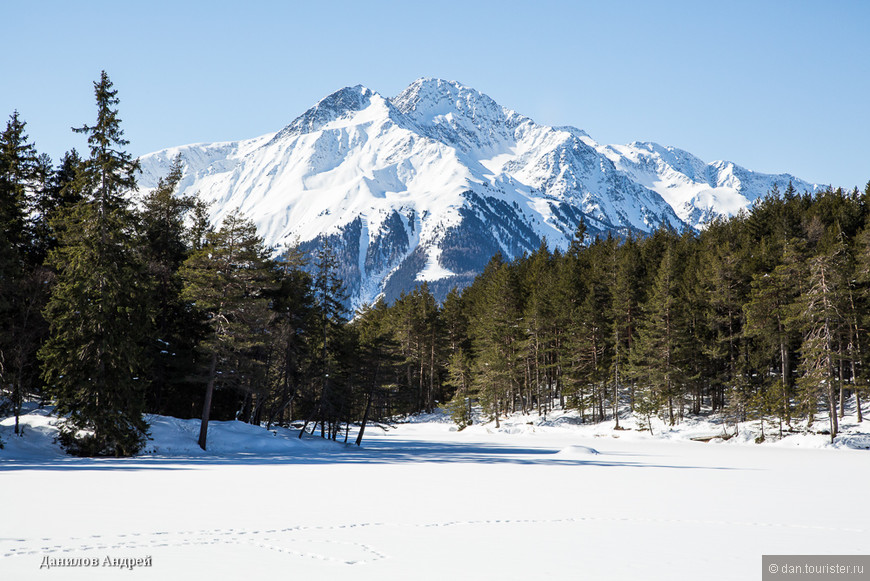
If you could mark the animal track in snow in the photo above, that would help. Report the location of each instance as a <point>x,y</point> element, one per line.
<point>312,542</point>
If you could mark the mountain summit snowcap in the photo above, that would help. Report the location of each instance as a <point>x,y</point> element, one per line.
<point>428,185</point>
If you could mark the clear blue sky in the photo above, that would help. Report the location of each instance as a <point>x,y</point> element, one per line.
<point>776,86</point>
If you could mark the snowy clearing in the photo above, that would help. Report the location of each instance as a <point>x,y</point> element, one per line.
<point>535,499</point>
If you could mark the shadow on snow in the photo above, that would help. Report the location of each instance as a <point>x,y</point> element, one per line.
<point>317,452</point>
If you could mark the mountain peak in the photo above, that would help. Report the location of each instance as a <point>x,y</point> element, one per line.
<point>332,107</point>
<point>431,183</point>
<point>427,99</point>
<point>456,114</point>
<point>427,91</point>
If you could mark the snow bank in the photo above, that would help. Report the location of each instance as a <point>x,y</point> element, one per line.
<point>177,438</point>
<point>37,437</point>
<point>714,429</point>
<point>168,437</point>
<point>576,451</point>
<point>174,437</point>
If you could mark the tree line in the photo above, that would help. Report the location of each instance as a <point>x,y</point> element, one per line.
<point>761,317</point>
<point>116,305</point>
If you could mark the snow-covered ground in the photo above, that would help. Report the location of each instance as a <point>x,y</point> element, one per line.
<point>536,499</point>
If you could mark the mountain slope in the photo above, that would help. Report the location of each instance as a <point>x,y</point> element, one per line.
<point>697,191</point>
<point>428,185</point>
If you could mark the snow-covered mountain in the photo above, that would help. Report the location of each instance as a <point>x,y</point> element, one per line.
<point>428,185</point>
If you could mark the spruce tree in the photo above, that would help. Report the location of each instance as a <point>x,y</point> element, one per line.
<point>174,333</point>
<point>20,291</point>
<point>417,324</point>
<point>60,193</point>
<point>93,358</point>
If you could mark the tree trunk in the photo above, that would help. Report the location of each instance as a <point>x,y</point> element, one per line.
<point>832,410</point>
<point>17,401</point>
<point>432,375</point>
<point>276,414</point>
<point>362,428</point>
<point>786,376</point>
<point>421,390</point>
<point>206,405</point>
<point>601,414</point>
<point>842,382</point>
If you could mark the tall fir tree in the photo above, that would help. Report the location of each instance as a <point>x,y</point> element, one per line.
<point>20,291</point>
<point>93,358</point>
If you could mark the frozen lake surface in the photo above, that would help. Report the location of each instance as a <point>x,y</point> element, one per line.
<point>423,501</point>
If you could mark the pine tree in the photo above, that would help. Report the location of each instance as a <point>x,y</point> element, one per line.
<point>860,322</point>
<point>821,313</point>
<point>536,279</point>
<point>417,325</point>
<point>657,360</point>
<point>226,283</point>
<point>458,358</point>
<point>769,319</point>
<point>376,358</point>
<point>721,295</point>
<point>329,397</point>
<point>427,330</point>
<point>497,337</point>
<point>623,276</point>
<point>292,319</point>
<point>592,340</point>
<point>93,358</point>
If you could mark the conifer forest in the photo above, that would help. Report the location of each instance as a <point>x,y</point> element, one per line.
<point>117,304</point>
